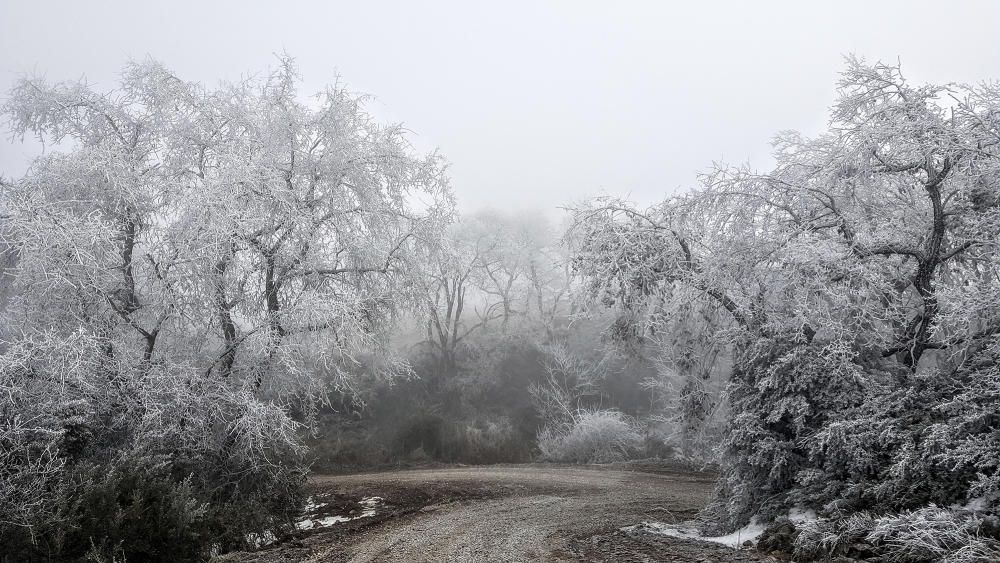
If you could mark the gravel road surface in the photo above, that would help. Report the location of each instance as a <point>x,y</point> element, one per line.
<point>508,513</point>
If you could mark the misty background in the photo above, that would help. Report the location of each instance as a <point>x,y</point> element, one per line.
<point>485,243</point>
<point>535,104</point>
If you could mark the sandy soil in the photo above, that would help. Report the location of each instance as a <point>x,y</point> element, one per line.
<point>500,513</point>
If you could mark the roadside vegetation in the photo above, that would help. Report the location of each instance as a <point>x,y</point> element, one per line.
<point>855,289</point>
<point>208,292</point>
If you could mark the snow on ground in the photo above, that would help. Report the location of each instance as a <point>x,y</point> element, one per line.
<point>258,541</point>
<point>313,506</point>
<point>370,505</point>
<point>798,515</point>
<point>689,531</point>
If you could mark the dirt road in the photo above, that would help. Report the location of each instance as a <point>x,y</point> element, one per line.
<point>521,513</point>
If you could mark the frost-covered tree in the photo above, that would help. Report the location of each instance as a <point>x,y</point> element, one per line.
<point>450,274</point>
<point>692,366</point>
<point>523,270</point>
<point>863,263</point>
<point>199,261</point>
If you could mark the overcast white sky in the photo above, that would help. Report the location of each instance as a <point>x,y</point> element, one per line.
<point>535,104</point>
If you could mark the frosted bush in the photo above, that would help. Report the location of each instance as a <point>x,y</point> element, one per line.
<point>923,535</point>
<point>593,436</point>
<point>121,463</point>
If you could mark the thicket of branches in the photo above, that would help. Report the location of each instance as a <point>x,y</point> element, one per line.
<point>507,369</point>
<point>493,320</point>
<point>191,271</point>
<point>855,287</point>
<point>183,285</point>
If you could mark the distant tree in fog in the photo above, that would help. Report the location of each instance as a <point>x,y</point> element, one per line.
<point>494,270</point>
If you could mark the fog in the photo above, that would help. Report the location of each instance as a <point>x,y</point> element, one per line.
<point>535,104</point>
<point>539,281</point>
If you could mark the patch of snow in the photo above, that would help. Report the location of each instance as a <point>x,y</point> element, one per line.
<point>258,541</point>
<point>750,532</point>
<point>371,502</point>
<point>325,522</point>
<point>370,505</point>
<point>313,506</point>
<point>797,515</point>
<point>306,524</point>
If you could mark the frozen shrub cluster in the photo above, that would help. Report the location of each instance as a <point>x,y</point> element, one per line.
<point>929,534</point>
<point>591,436</point>
<point>99,461</point>
<point>782,392</point>
<point>934,439</point>
<point>818,429</point>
